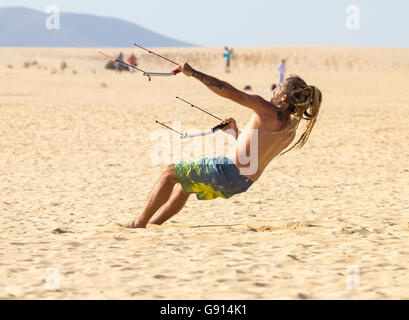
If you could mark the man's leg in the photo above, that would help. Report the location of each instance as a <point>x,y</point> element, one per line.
<point>160,194</point>
<point>172,206</point>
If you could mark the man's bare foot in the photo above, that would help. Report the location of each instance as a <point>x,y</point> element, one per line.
<point>135,224</point>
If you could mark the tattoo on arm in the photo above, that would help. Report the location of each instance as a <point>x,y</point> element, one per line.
<point>208,80</point>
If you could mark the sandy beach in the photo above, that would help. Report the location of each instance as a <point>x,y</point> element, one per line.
<point>328,222</point>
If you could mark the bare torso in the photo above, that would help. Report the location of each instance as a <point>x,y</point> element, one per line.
<point>269,129</point>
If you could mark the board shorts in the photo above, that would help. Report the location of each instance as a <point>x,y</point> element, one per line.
<point>210,178</point>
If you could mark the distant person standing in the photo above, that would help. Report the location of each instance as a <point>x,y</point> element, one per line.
<point>227,56</point>
<point>132,62</point>
<point>281,71</point>
<point>118,65</point>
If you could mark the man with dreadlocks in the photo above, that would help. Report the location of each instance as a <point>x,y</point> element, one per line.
<point>272,125</point>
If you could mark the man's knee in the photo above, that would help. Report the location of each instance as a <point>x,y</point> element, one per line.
<point>180,192</point>
<point>169,173</point>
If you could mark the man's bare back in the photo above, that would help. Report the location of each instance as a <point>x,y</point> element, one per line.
<point>269,127</point>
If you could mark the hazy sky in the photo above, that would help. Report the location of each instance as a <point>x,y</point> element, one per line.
<point>253,22</point>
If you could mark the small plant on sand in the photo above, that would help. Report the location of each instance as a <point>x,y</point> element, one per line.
<point>103,85</point>
<point>28,64</point>
<point>63,66</point>
<point>10,66</point>
<point>74,71</point>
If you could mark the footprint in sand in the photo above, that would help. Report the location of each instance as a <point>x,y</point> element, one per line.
<point>61,231</point>
<point>112,227</point>
<point>287,226</point>
<point>120,238</point>
<point>351,230</point>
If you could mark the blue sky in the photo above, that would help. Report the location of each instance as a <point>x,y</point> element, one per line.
<point>253,22</point>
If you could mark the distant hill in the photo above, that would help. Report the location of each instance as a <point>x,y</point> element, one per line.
<point>22,27</point>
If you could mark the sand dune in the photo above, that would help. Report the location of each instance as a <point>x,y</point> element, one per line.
<point>75,165</point>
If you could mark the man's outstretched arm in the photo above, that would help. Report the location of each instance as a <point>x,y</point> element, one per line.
<point>226,90</point>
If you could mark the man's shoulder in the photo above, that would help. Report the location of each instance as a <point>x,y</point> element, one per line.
<point>268,106</point>
<point>276,119</point>
<point>269,112</point>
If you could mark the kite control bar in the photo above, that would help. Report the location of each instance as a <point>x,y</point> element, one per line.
<point>145,73</point>
<point>198,134</point>
<point>174,72</point>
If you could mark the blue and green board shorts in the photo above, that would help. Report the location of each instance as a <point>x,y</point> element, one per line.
<point>210,178</point>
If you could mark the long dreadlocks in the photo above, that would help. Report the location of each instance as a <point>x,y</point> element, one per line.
<point>303,102</point>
